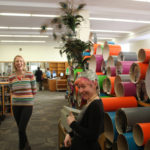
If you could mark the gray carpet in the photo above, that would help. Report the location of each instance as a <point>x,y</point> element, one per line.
<point>42,129</point>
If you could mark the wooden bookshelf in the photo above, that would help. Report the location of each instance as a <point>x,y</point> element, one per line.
<point>58,67</point>
<point>5,98</point>
<point>4,79</point>
<point>1,104</point>
<point>61,84</point>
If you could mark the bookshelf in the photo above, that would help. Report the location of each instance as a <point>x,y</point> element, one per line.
<point>61,84</point>
<point>58,67</point>
<point>5,99</point>
<point>53,67</point>
<point>1,105</point>
<point>61,68</point>
<point>3,78</point>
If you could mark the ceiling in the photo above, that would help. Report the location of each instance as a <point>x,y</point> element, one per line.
<point>105,10</point>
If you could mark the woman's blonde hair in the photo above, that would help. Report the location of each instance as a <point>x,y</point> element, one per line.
<point>14,68</point>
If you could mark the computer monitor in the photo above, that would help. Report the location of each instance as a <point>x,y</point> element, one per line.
<point>54,74</point>
<point>61,74</point>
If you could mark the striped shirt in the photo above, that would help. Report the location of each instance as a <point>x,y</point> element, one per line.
<point>23,90</point>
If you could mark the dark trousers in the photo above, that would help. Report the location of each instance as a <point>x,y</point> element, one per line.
<point>40,84</point>
<point>22,115</point>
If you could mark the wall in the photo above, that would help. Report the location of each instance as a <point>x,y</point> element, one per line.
<point>137,45</point>
<point>140,39</point>
<point>38,52</point>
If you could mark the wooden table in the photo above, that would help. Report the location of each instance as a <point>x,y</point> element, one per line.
<point>52,84</point>
<point>45,84</point>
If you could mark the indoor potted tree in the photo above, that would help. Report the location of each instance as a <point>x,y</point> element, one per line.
<point>64,28</point>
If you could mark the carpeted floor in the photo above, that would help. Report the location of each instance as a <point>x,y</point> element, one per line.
<point>42,129</point>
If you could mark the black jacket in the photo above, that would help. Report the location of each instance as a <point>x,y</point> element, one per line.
<point>38,75</point>
<point>86,132</point>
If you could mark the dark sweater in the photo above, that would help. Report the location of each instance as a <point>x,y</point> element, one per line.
<point>85,133</point>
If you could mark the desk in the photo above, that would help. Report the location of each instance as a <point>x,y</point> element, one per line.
<point>52,84</point>
<point>45,84</point>
<point>61,84</point>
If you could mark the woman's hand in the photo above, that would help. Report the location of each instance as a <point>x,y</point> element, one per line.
<point>70,118</point>
<point>67,141</point>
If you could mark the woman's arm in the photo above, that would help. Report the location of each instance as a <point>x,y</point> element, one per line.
<point>10,83</point>
<point>33,84</point>
<point>67,141</point>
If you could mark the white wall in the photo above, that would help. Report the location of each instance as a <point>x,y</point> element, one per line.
<point>137,45</point>
<point>140,39</point>
<point>49,52</point>
<point>38,52</point>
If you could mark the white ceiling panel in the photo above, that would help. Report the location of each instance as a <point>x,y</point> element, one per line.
<point>112,9</point>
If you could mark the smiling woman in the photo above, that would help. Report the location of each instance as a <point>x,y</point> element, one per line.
<point>90,122</point>
<point>23,87</point>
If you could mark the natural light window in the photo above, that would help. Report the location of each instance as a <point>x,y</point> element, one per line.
<point>142,1</point>
<point>125,47</point>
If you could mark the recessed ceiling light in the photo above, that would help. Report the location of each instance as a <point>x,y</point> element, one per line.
<point>91,18</point>
<point>24,28</point>
<point>3,27</point>
<point>43,15</point>
<point>15,14</point>
<point>111,31</point>
<point>11,41</point>
<point>120,20</point>
<point>40,36</point>
<point>104,38</point>
<point>27,15</point>
<point>148,1</point>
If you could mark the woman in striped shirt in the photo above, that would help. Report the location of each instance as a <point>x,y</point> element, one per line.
<point>23,87</point>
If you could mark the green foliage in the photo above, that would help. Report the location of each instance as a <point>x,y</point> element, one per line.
<point>64,5</point>
<point>70,17</point>
<point>54,36</point>
<point>43,28</point>
<point>74,49</point>
<point>81,6</point>
<point>64,27</point>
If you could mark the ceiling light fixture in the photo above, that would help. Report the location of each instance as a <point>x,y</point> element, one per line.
<point>15,14</point>
<point>120,20</point>
<point>148,1</point>
<point>104,38</point>
<point>24,28</point>
<point>43,15</point>
<point>38,36</point>
<point>10,41</point>
<point>111,31</point>
<point>27,15</point>
<point>91,18</point>
<point>3,27</point>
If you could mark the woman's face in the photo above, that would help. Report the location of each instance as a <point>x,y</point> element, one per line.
<point>19,64</point>
<point>87,89</point>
